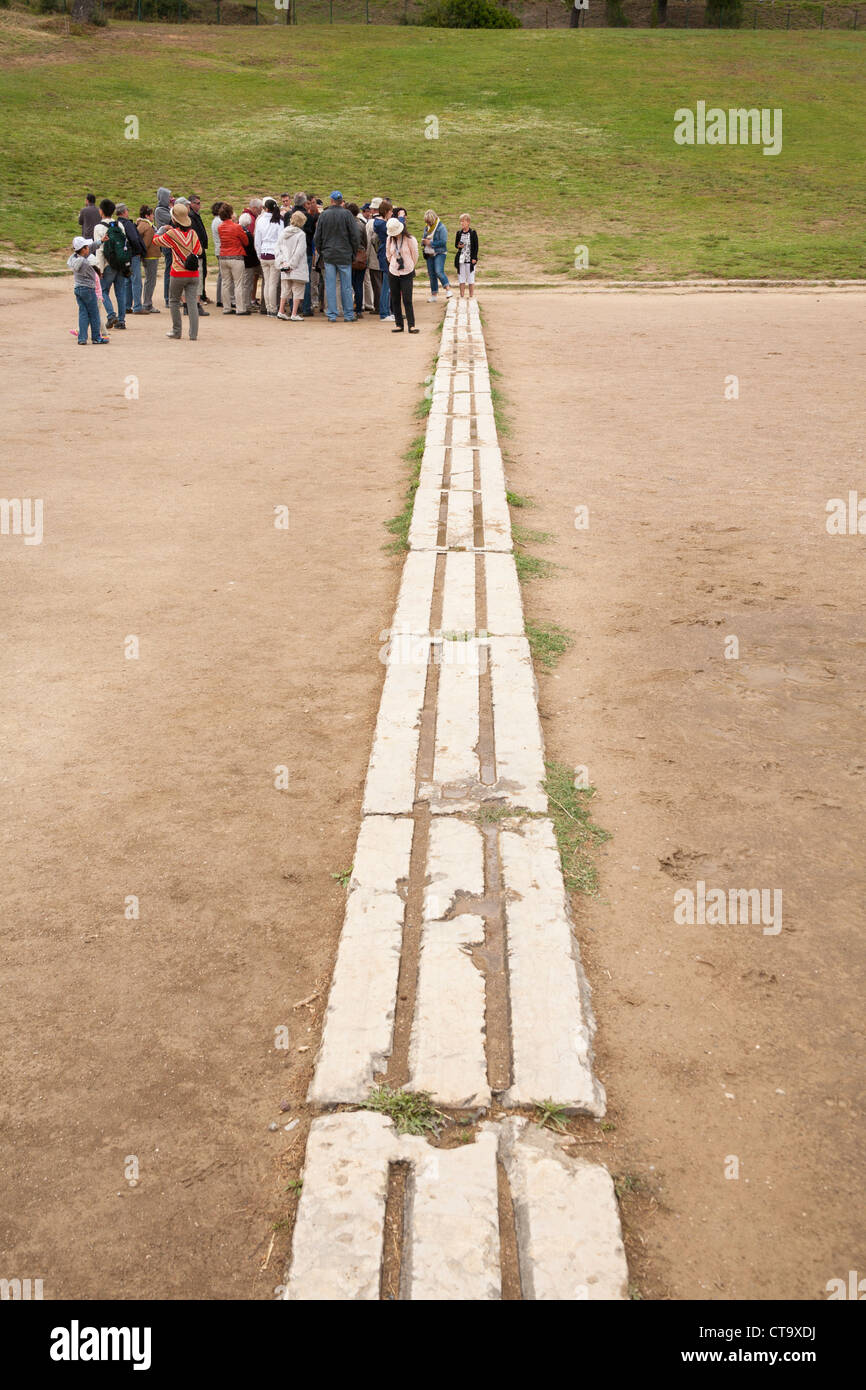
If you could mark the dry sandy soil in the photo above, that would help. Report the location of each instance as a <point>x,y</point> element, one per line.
<point>707,519</point>
<point>155,777</point>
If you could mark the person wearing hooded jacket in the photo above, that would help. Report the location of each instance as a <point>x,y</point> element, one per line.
<point>291,260</point>
<point>162,218</point>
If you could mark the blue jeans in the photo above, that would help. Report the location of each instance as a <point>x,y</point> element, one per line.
<point>308,291</point>
<point>385,296</point>
<point>114,277</point>
<point>436,271</point>
<point>88,313</point>
<point>345,272</point>
<point>135,285</point>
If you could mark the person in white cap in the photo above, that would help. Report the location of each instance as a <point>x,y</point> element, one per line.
<point>82,263</point>
<point>401,251</point>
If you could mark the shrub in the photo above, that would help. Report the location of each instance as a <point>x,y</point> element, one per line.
<point>468,14</point>
<point>724,14</point>
<point>615,14</point>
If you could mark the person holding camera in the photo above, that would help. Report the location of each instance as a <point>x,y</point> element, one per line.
<point>401,251</point>
<point>181,240</point>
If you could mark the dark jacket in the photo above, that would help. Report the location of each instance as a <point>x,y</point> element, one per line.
<point>473,246</point>
<point>136,245</point>
<point>195,219</point>
<point>338,236</point>
<point>310,229</point>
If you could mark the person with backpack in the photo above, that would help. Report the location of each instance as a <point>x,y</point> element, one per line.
<point>152,256</point>
<point>113,258</point>
<point>402,253</point>
<point>180,239</point>
<point>136,254</point>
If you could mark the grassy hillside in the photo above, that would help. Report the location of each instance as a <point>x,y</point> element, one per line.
<point>551,139</point>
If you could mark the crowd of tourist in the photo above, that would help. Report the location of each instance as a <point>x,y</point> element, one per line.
<point>289,258</point>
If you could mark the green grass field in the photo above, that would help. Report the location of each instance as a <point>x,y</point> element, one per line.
<point>552,139</point>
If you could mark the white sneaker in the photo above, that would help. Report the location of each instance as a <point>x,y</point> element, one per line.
<point>432,299</point>
<point>283,316</point>
<point>296,318</point>
<point>449,294</point>
<point>389,318</point>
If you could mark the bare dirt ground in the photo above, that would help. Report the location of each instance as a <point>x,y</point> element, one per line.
<point>155,1038</point>
<point>706,520</point>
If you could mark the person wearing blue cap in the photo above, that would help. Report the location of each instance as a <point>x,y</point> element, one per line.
<point>337,238</point>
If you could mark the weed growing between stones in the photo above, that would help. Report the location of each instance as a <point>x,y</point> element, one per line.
<point>412,1112</point>
<point>576,833</point>
<point>547,642</point>
<point>399,524</point>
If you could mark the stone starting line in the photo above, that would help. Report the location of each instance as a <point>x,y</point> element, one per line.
<point>457,972</point>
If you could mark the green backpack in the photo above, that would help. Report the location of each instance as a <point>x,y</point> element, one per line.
<point>116,247</point>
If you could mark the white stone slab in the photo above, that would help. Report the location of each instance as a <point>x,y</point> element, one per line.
<point>455,864</point>
<point>456,759</point>
<point>390,785</point>
<point>432,467</point>
<point>491,471</point>
<point>446,1050</point>
<point>359,1019</point>
<point>436,425</point>
<point>460,433</point>
<point>461,381</point>
<point>461,403</point>
<point>485,428</point>
<point>452,1250</point>
<point>504,604</point>
<point>569,1238</point>
<point>416,593</point>
<point>496,519</point>
<point>551,1023</point>
<point>462,470</point>
<point>337,1243</point>
<point>458,598</point>
<point>460,523</point>
<point>519,747</point>
<point>424,526</point>
<point>451,1230</point>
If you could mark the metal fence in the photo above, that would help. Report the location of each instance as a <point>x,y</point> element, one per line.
<point>533,14</point>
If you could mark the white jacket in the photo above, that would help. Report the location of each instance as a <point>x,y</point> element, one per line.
<point>267,235</point>
<point>291,254</point>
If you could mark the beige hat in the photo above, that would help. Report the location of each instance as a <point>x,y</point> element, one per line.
<point>394,227</point>
<point>376,203</point>
<point>180,213</point>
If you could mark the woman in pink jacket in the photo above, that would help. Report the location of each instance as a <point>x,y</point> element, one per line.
<point>401,253</point>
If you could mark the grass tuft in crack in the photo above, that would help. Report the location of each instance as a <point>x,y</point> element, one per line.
<point>515,499</point>
<point>551,1115</point>
<point>547,642</point>
<point>399,525</point>
<point>412,1112</point>
<point>576,833</point>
